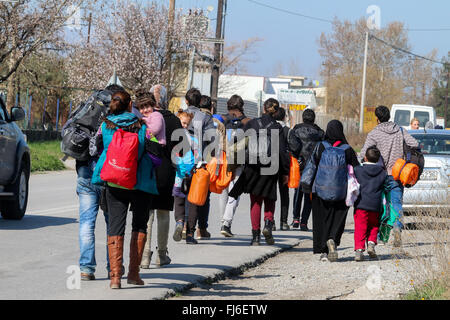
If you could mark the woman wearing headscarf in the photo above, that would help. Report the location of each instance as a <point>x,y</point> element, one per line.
<point>329,216</point>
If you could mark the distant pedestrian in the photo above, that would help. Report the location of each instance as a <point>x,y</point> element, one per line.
<point>262,186</point>
<point>329,190</point>
<point>368,205</point>
<point>389,138</point>
<point>283,188</point>
<point>235,120</point>
<point>302,141</point>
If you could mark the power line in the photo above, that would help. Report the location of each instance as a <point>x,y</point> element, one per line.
<point>330,21</point>
<point>404,50</point>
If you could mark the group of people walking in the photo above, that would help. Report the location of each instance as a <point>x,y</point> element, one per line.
<point>157,181</point>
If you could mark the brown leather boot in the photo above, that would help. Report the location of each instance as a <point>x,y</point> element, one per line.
<point>137,244</point>
<point>115,251</point>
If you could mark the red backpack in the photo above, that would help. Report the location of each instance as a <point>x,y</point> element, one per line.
<point>121,164</point>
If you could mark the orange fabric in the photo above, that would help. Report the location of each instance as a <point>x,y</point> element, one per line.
<point>407,174</point>
<point>220,178</point>
<point>294,173</point>
<point>198,191</point>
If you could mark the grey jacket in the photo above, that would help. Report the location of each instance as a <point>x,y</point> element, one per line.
<point>388,138</point>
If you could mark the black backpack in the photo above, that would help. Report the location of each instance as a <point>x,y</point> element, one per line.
<point>413,155</point>
<point>82,125</point>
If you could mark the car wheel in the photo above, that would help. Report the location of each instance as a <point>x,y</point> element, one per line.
<point>15,209</point>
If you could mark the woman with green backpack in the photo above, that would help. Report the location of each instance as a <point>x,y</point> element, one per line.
<point>126,169</point>
<point>325,175</point>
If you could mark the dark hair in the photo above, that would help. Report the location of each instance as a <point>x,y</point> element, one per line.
<point>115,88</point>
<point>193,97</point>
<point>235,103</point>
<point>144,98</point>
<point>382,113</point>
<point>373,154</point>
<point>271,106</point>
<point>309,116</point>
<point>205,102</point>
<point>119,102</point>
<point>280,114</point>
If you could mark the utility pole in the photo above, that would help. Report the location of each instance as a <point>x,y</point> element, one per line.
<point>363,93</point>
<point>446,95</point>
<point>215,72</point>
<point>89,27</point>
<point>169,43</point>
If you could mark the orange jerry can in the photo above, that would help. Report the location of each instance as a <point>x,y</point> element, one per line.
<point>405,172</point>
<point>294,173</point>
<point>198,191</point>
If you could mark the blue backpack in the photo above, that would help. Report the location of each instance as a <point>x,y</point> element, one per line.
<point>330,183</point>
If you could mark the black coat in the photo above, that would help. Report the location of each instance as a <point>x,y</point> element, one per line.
<point>302,140</point>
<point>165,173</point>
<point>251,180</point>
<point>371,179</point>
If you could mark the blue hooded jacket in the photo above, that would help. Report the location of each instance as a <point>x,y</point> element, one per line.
<point>146,179</point>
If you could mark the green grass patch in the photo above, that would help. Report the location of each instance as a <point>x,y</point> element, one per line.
<point>431,290</point>
<point>45,156</point>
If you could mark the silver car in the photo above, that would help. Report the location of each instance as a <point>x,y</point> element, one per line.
<point>432,190</point>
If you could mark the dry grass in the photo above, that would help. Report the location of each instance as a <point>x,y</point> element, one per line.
<point>356,141</point>
<point>426,241</point>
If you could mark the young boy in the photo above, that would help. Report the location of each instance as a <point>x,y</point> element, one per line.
<point>368,205</point>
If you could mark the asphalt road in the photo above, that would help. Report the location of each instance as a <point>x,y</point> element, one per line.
<point>39,254</point>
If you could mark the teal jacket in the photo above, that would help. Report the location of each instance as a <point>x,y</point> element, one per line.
<point>146,179</point>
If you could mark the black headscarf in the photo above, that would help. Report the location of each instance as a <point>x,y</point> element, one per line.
<point>335,132</point>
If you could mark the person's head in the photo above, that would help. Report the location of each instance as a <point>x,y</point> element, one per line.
<point>145,103</point>
<point>235,104</point>
<point>120,102</point>
<point>271,106</point>
<point>335,132</point>
<point>185,118</point>
<point>280,115</point>
<point>205,103</point>
<point>383,114</point>
<point>115,88</point>
<point>193,97</point>
<point>160,93</point>
<point>372,155</point>
<point>415,123</point>
<point>309,116</point>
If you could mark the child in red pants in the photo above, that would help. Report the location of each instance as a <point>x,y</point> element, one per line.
<point>368,206</point>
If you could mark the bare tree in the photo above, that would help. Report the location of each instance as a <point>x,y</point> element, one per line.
<point>27,26</point>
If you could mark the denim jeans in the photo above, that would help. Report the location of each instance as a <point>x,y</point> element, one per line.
<point>396,189</point>
<point>89,199</point>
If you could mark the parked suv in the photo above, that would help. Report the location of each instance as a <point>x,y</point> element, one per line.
<point>14,164</point>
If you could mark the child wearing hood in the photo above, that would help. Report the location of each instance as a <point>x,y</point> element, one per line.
<point>368,206</point>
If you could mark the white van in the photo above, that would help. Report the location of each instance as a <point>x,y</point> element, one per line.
<point>402,114</point>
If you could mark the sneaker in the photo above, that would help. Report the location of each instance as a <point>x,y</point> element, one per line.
<point>295,224</point>
<point>226,231</point>
<point>332,251</point>
<point>183,233</point>
<point>359,255</point>
<point>371,250</point>
<point>203,234</point>
<point>284,226</point>
<point>87,276</point>
<point>324,257</point>
<point>190,239</point>
<point>256,237</point>
<point>303,227</point>
<point>177,235</point>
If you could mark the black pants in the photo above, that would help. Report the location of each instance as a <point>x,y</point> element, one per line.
<point>328,222</point>
<point>284,200</point>
<point>118,201</point>
<point>194,213</point>
<point>299,196</point>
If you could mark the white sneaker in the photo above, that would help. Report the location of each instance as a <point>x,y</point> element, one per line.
<point>324,257</point>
